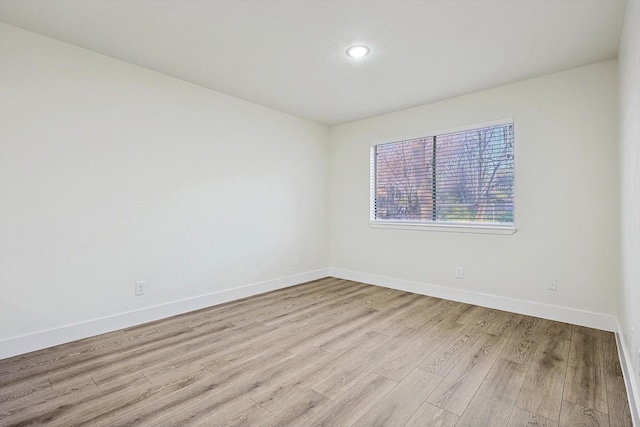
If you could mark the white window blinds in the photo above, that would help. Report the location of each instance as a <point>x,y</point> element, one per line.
<point>459,177</point>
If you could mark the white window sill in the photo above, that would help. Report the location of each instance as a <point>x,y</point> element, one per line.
<point>450,227</point>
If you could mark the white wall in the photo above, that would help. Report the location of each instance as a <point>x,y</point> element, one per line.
<point>629,57</point>
<point>566,198</point>
<point>112,173</point>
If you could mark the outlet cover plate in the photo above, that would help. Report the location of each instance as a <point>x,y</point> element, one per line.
<point>141,287</point>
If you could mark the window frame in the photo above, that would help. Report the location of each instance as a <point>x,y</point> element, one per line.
<point>443,226</point>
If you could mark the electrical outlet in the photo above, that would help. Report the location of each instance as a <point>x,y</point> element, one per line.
<point>459,273</point>
<point>141,288</point>
<point>553,284</point>
<point>295,261</point>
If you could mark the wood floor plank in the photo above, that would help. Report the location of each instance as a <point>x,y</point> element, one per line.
<point>179,355</point>
<point>227,371</point>
<point>12,409</point>
<point>194,355</point>
<point>617,398</point>
<point>426,315</point>
<point>336,338</point>
<point>328,322</point>
<point>78,405</point>
<point>352,405</point>
<point>70,355</point>
<point>305,404</point>
<point>336,306</point>
<point>444,357</point>
<point>400,316</point>
<point>144,412</point>
<point>503,324</point>
<point>493,403</point>
<point>558,330</point>
<point>573,415</point>
<point>473,313</point>
<point>246,418</point>
<point>522,418</point>
<point>610,356</point>
<point>409,316</point>
<point>268,377</point>
<point>399,404</point>
<point>149,347</point>
<point>279,393</point>
<point>328,352</point>
<point>295,312</point>
<point>132,401</point>
<point>458,388</point>
<point>524,340</point>
<point>585,383</point>
<point>543,386</point>
<point>245,309</point>
<point>216,398</point>
<point>430,416</point>
<point>350,368</point>
<point>234,410</point>
<point>583,330</point>
<point>618,403</point>
<point>24,389</point>
<point>201,410</point>
<point>398,367</point>
<point>19,367</point>
<point>358,364</point>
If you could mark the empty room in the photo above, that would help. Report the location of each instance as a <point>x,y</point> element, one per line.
<point>361,213</point>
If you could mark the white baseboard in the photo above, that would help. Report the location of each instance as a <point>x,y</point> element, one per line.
<point>630,380</point>
<point>552,312</point>
<point>48,338</point>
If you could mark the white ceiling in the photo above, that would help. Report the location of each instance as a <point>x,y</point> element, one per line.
<point>289,55</point>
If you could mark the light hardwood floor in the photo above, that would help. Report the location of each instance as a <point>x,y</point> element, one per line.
<point>326,353</point>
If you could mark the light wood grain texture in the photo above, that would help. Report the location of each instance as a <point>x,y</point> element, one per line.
<point>353,404</point>
<point>401,402</point>
<point>617,399</point>
<point>430,416</point>
<point>281,391</point>
<point>558,330</point>
<point>618,403</point>
<point>522,418</point>
<point>304,404</point>
<point>541,392</point>
<point>328,352</point>
<point>399,366</point>
<point>458,388</point>
<point>573,415</point>
<point>493,402</point>
<point>585,383</point>
<point>524,340</point>
<point>360,361</point>
<point>249,417</point>
<point>444,357</point>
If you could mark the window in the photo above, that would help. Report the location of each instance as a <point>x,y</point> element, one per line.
<point>458,179</point>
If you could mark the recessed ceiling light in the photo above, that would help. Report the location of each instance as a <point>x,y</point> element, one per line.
<point>358,51</point>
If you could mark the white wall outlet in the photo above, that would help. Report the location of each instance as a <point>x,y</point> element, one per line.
<point>141,287</point>
<point>553,284</point>
<point>459,273</point>
<point>295,261</point>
